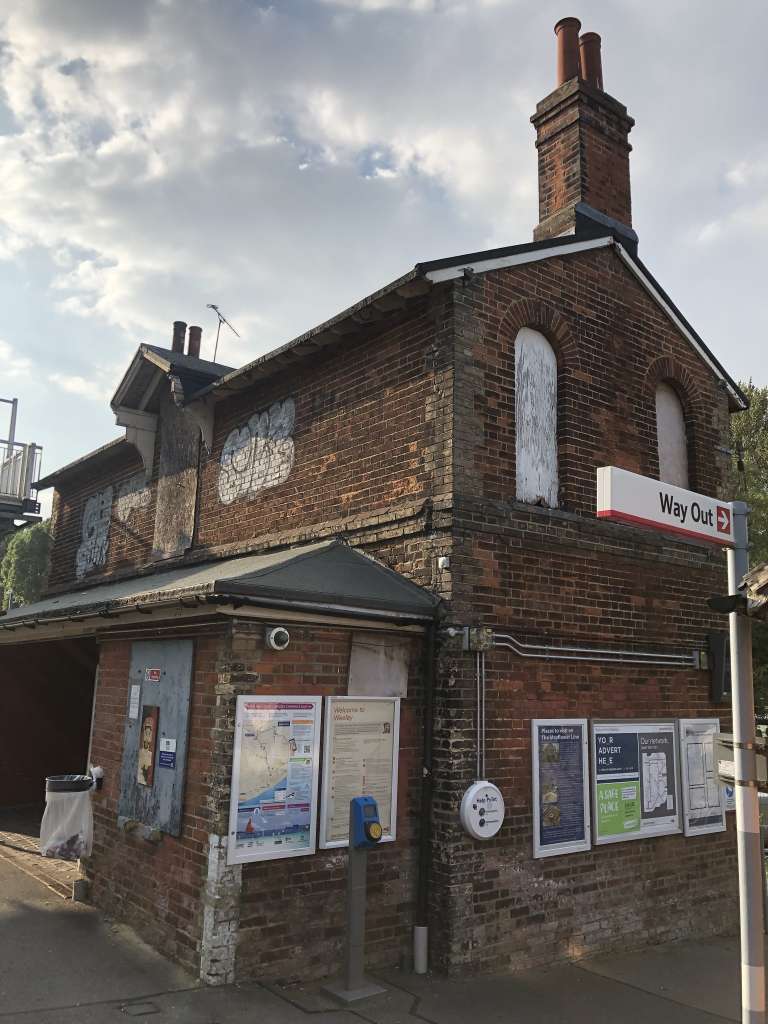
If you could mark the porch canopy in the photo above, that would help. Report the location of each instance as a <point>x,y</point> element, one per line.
<point>329,578</point>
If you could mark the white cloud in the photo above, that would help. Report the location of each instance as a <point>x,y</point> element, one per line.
<point>94,390</point>
<point>13,365</point>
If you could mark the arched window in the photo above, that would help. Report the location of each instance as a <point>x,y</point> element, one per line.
<point>535,419</point>
<point>671,437</point>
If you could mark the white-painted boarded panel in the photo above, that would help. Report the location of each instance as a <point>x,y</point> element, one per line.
<point>671,436</point>
<point>536,419</point>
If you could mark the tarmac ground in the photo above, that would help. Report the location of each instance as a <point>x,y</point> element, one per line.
<point>64,963</point>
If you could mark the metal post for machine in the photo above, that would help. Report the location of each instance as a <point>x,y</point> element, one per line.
<point>354,985</point>
<point>747,805</point>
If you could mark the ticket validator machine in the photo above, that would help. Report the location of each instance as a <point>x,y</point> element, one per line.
<point>365,832</point>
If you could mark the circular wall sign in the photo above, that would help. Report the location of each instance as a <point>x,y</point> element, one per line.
<point>482,810</point>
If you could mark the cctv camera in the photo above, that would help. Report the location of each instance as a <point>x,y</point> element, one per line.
<point>277,638</point>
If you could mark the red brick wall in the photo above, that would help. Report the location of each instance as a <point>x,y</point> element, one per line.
<point>372,442</point>
<point>364,437</point>
<point>583,156</point>
<point>155,888</point>
<point>559,576</point>
<point>292,911</point>
<point>292,914</point>
<point>130,543</point>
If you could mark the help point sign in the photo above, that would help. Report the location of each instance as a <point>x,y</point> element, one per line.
<point>642,501</point>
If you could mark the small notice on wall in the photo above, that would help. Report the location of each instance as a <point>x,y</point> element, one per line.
<point>635,790</point>
<point>361,746</point>
<point>133,703</point>
<point>703,797</point>
<point>560,786</point>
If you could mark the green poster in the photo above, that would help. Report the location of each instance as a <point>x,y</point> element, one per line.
<point>618,808</point>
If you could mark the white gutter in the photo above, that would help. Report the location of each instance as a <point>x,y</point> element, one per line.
<point>516,260</point>
<point>628,262</point>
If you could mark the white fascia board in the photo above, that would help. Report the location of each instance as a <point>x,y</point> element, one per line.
<point>516,260</point>
<point>673,316</point>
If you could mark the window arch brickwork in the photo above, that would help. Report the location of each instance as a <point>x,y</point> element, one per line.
<point>666,370</point>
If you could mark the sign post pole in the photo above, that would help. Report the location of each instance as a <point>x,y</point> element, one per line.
<point>750,852</point>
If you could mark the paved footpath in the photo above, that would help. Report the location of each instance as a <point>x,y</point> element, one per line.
<point>64,963</point>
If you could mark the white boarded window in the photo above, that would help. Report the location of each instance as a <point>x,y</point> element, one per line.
<point>672,437</point>
<point>535,419</point>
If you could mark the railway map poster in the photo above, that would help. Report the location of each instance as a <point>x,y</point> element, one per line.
<point>703,795</point>
<point>635,791</point>
<point>560,786</point>
<point>360,753</point>
<point>275,768</point>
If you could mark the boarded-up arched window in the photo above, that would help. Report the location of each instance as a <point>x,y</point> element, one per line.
<point>535,419</point>
<point>671,436</point>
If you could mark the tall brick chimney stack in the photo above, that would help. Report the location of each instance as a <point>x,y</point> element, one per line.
<point>179,330</point>
<point>582,137</point>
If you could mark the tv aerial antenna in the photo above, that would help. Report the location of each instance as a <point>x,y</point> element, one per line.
<point>222,320</point>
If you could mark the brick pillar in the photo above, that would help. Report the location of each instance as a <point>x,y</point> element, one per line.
<point>221,915</point>
<point>582,138</point>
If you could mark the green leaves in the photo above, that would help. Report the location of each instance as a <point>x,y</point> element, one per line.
<point>24,564</point>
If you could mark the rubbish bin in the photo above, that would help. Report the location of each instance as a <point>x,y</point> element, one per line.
<point>66,831</point>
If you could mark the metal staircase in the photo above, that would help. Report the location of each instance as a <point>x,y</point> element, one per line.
<point>19,468</point>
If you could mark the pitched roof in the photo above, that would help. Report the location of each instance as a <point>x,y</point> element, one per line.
<point>593,232</point>
<point>329,577</point>
<point>139,387</point>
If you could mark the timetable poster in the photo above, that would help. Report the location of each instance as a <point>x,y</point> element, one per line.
<point>703,796</point>
<point>560,786</point>
<point>634,780</point>
<point>360,753</point>
<point>275,772</point>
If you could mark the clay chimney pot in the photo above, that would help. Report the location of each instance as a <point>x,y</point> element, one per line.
<point>193,346</point>
<point>591,60</point>
<point>179,330</point>
<point>568,63</point>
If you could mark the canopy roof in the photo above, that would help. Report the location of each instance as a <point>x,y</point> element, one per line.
<point>326,577</point>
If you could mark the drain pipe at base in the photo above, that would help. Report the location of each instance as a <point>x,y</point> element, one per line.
<point>421,925</point>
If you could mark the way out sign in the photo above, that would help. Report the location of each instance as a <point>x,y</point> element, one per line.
<point>642,501</point>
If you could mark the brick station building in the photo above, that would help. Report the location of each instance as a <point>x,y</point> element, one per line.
<point>424,460</point>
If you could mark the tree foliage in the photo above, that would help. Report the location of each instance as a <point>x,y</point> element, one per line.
<point>24,564</point>
<point>749,482</point>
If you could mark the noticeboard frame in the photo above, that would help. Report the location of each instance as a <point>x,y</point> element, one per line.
<point>250,856</point>
<point>579,846</point>
<point>389,836</point>
<point>636,725</point>
<point>701,830</point>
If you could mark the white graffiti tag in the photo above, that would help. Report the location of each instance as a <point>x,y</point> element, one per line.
<point>95,533</point>
<point>258,455</point>
<point>131,495</point>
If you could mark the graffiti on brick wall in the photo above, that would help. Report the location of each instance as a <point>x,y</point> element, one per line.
<point>131,495</point>
<point>258,455</point>
<point>94,542</point>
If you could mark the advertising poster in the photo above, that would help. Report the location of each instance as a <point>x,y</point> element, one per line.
<point>703,797</point>
<point>634,780</point>
<point>273,807</point>
<point>361,746</point>
<point>145,774</point>
<point>560,786</point>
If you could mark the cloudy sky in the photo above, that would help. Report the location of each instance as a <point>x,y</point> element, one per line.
<point>285,159</point>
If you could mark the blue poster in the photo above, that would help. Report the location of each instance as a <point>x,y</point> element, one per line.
<point>561,814</point>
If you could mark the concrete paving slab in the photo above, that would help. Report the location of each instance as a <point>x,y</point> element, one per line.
<point>58,954</point>
<point>704,973</point>
<point>563,994</point>
<point>227,1005</point>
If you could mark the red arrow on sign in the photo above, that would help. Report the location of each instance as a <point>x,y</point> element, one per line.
<point>723,519</point>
